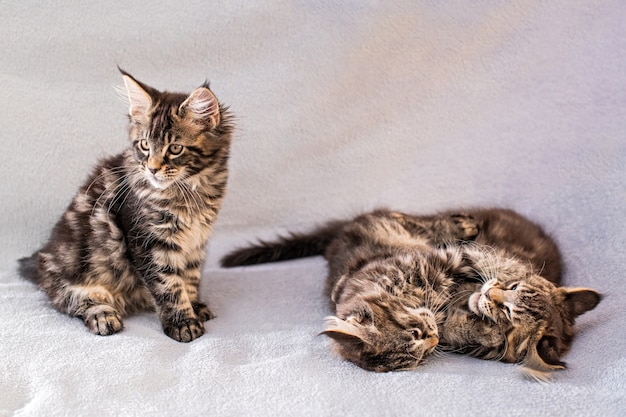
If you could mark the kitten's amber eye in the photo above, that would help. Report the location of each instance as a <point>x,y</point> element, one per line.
<point>144,145</point>
<point>416,333</point>
<point>176,149</point>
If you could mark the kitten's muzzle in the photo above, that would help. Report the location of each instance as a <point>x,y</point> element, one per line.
<point>432,342</point>
<point>495,295</point>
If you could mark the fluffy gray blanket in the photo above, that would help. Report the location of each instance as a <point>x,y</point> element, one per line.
<point>342,107</point>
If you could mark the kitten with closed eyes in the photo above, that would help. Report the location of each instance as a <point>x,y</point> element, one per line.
<point>134,236</point>
<point>483,282</point>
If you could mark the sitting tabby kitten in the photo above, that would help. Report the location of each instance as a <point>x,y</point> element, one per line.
<point>135,234</point>
<point>468,281</point>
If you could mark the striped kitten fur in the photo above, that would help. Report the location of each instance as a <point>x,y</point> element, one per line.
<point>482,282</point>
<point>388,282</point>
<point>135,234</point>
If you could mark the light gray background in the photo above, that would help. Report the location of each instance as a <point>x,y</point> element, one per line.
<point>341,107</point>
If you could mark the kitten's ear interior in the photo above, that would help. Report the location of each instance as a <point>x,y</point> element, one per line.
<point>548,351</point>
<point>139,99</point>
<point>581,300</point>
<point>343,332</point>
<point>202,106</point>
<point>542,359</point>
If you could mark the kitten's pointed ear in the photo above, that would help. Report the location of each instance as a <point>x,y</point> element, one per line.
<point>581,300</point>
<point>542,359</point>
<point>343,332</point>
<point>202,107</point>
<point>548,351</point>
<point>139,98</point>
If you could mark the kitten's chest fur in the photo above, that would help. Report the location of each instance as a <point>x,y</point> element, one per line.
<point>172,219</point>
<point>181,217</point>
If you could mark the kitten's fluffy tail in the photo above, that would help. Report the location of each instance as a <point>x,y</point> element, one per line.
<point>296,245</point>
<point>28,268</point>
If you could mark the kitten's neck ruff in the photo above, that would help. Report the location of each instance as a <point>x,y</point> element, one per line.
<point>202,187</point>
<point>194,193</point>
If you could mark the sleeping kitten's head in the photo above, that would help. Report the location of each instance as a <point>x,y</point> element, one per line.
<point>175,136</point>
<point>380,334</point>
<point>536,316</point>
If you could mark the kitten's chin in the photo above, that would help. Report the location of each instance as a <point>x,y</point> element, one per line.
<point>473,303</point>
<point>480,305</point>
<point>159,184</point>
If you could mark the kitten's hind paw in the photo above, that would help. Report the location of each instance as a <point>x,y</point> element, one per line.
<point>184,330</point>
<point>467,226</point>
<point>202,311</point>
<point>104,322</point>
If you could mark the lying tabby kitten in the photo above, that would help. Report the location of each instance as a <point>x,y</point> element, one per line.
<point>401,284</point>
<point>387,283</point>
<point>135,234</point>
<point>517,313</point>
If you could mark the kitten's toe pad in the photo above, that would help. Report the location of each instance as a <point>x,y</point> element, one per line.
<point>104,322</point>
<point>203,312</point>
<point>184,330</point>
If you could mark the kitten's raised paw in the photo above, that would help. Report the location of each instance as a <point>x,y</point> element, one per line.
<point>104,323</point>
<point>203,312</point>
<point>184,330</point>
<point>467,226</point>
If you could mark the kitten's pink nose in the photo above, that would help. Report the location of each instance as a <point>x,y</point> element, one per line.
<point>494,294</point>
<point>153,170</point>
<point>432,341</point>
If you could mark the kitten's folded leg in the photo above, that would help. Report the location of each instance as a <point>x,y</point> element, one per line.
<point>103,320</point>
<point>94,305</point>
<point>467,226</point>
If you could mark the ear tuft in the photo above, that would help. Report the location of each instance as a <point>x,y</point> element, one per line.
<point>139,99</point>
<point>537,375</point>
<point>202,107</point>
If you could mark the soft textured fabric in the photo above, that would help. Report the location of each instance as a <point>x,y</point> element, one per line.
<point>341,107</point>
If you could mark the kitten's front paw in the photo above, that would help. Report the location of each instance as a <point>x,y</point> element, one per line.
<point>466,225</point>
<point>184,330</point>
<point>104,323</point>
<point>202,311</point>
